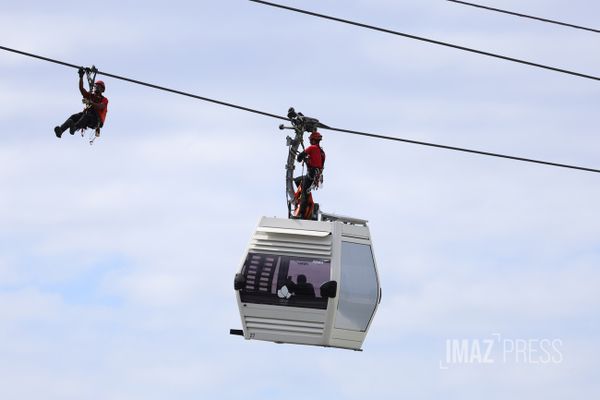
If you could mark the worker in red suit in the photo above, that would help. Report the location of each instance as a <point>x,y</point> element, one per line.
<point>314,157</point>
<point>94,114</point>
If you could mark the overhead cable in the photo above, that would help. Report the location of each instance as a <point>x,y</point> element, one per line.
<point>271,115</point>
<point>464,150</point>
<point>423,39</point>
<point>524,15</point>
<point>148,84</point>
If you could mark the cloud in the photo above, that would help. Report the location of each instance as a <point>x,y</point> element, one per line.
<point>117,259</point>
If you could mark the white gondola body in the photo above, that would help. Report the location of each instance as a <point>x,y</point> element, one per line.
<point>309,282</point>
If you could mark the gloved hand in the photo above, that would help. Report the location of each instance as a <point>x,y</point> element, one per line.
<point>81,72</point>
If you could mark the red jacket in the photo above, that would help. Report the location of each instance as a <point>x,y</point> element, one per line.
<point>316,156</point>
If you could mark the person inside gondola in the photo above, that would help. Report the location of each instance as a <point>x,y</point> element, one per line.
<point>304,288</point>
<point>289,283</point>
<point>314,157</point>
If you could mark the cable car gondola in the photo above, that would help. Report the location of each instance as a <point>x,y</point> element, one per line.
<point>310,282</point>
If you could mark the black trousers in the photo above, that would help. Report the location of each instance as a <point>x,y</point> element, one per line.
<point>85,119</point>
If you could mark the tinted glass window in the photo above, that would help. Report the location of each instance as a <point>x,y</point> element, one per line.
<point>358,287</point>
<point>285,280</point>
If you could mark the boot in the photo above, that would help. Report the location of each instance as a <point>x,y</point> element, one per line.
<point>60,129</point>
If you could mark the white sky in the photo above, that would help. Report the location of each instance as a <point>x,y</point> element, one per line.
<point>117,260</point>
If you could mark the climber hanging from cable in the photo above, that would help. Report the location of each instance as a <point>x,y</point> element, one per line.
<point>96,106</point>
<point>314,158</point>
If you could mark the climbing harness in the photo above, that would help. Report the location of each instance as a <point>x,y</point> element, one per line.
<point>90,74</point>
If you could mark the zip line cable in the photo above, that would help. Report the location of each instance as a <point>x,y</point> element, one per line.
<point>524,15</point>
<point>149,85</point>
<point>423,39</point>
<point>359,133</point>
<point>483,153</point>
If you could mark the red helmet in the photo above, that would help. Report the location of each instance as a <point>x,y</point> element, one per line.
<point>100,86</point>
<point>315,136</point>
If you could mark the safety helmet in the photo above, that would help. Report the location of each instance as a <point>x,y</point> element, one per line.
<point>100,86</point>
<point>315,136</point>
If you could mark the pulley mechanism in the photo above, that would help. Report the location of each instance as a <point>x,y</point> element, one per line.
<point>90,74</point>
